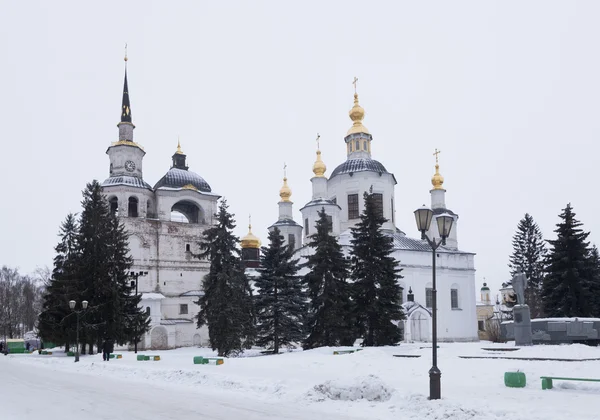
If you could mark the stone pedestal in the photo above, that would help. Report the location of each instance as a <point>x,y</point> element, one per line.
<point>522,322</point>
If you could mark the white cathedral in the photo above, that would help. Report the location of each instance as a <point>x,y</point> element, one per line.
<point>170,278</point>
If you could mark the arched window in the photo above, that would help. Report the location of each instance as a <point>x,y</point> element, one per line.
<point>350,146</point>
<point>357,145</point>
<point>148,310</point>
<point>365,145</point>
<point>114,205</point>
<point>133,207</point>
<point>401,294</point>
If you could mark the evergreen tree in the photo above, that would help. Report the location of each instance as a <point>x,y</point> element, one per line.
<point>226,306</point>
<point>55,323</point>
<point>595,281</point>
<point>103,264</point>
<point>567,287</point>
<point>374,271</point>
<point>329,320</point>
<point>280,300</point>
<point>529,252</point>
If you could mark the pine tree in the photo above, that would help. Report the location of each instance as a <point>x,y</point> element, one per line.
<point>529,253</point>
<point>329,320</point>
<point>55,322</point>
<point>374,271</point>
<point>280,301</point>
<point>226,306</point>
<point>566,291</point>
<point>594,262</point>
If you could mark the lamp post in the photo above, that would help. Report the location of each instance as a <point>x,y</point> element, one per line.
<point>135,276</point>
<point>84,305</point>
<point>444,221</point>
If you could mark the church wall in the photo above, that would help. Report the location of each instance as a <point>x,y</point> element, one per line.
<point>167,199</point>
<point>312,214</point>
<point>123,193</point>
<point>452,271</point>
<point>359,183</point>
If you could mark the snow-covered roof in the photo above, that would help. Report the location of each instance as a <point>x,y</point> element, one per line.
<point>193,293</point>
<point>130,181</point>
<point>409,307</point>
<point>403,242</point>
<point>152,296</point>
<point>175,321</point>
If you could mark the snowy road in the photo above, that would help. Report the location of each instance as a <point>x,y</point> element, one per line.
<point>36,392</point>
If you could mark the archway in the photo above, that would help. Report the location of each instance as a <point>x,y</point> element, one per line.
<point>197,340</point>
<point>187,212</point>
<point>133,207</point>
<point>419,327</point>
<point>159,338</point>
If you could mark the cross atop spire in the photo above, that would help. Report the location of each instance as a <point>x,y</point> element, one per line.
<point>126,106</point>
<point>354,83</point>
<point>284,170</point>
<point>318,143</point>
<point>437,152</point>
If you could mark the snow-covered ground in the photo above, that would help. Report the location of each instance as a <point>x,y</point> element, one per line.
<point>370,384</point>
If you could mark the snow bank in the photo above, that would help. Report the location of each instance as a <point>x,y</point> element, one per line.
<point>370,388</point>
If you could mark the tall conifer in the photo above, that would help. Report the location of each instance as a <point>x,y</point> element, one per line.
<point>375,273</point>
<point>329,321</point>
<point>567,287</point>
<point>54,323</point>
<point>280,300</point>
<point>529,252</point>
<point>226,306</point>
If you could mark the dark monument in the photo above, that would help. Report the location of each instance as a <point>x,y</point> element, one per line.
<point>521,314</point>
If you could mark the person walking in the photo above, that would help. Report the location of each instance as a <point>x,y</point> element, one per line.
<point>106,350</point>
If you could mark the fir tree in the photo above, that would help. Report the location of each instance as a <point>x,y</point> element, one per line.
<point>280,300</point>
<point>55,323</point>
<point>566,291</point>
<point>226,306</point>
<point>594,262</point>
<point>374,271</point>
<point>103,268</point>
<point>529,252</point>
<point>329,320</point>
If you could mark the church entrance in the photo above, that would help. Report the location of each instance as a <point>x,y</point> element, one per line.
<point>419,327</point>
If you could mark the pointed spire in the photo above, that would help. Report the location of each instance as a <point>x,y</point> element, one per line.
<point>126,106</point>
<point>178,152</point>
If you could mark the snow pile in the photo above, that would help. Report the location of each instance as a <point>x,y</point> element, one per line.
<point>370,388</point>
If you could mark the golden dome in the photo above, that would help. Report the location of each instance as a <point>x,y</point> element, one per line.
<point>357,113</point>
<point>285,192</point>
<point>437,180</point>
<point>250,241</point>
<point>319,167</point>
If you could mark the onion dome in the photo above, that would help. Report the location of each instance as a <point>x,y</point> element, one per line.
<point>319,167</point>
<point>357,113</point>
<point>437,180</point>
<point>285,192</point>
<point>250,240</point>
<point>485,288</point>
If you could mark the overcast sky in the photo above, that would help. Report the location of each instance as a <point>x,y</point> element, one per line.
<point>508,91</point>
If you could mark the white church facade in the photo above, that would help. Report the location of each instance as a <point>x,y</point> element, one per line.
<point>165,223</point>
<point>341,195</point>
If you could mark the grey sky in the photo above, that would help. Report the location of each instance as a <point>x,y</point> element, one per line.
<point>508,91</point>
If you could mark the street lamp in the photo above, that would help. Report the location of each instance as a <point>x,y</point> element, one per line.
<point>444,221</point>
<point>84,305</point>
<point>135,276</point>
